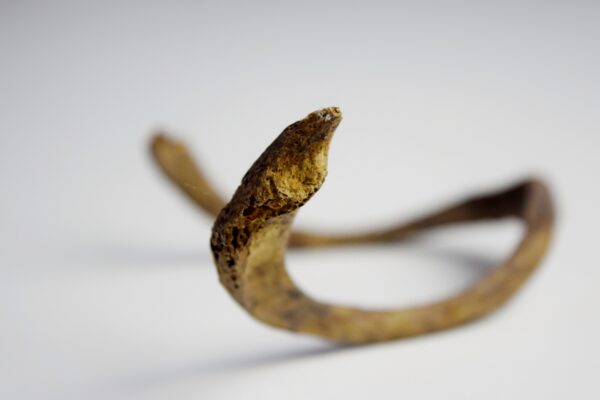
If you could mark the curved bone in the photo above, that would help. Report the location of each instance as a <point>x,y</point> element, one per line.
<point>251,233</point>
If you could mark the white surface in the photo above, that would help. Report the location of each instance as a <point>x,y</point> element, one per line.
<point>107,287</point>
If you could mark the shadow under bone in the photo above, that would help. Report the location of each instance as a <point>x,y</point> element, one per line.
<point>229,364</point>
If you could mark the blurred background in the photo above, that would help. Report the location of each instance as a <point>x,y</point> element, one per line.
<point>107,286</point>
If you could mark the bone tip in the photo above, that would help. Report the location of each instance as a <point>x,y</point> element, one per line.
<point>329,114</point>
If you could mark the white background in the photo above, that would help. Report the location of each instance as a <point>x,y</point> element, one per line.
<point>107,287</point>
